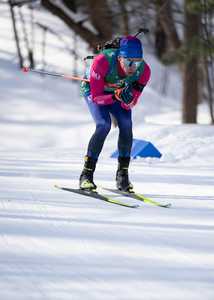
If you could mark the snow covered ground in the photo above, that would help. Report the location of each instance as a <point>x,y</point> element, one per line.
<point>57,246</point>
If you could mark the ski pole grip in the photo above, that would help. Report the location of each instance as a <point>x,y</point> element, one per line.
<point>25,69</point>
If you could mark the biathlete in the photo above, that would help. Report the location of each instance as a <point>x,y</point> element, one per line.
<point>117,79</point>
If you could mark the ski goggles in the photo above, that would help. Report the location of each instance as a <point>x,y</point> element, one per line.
<point>129,63</point>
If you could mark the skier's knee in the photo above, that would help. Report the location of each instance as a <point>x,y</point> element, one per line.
<point>125,126</point>
<point>103,128</point>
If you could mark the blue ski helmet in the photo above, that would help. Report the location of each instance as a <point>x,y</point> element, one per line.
<point>131,47</point>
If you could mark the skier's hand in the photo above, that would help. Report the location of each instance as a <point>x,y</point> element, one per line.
<point>124,94</point>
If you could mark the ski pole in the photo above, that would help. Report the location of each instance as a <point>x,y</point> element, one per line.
<point>66,76</point>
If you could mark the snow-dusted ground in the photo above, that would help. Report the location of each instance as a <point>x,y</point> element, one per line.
<point>56,245</point>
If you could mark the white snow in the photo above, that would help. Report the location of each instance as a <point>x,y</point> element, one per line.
<point>57,245</point>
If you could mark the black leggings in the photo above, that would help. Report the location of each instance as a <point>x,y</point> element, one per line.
<point>101,116</point>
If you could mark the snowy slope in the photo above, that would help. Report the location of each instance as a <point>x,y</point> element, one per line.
<point>56,245</point>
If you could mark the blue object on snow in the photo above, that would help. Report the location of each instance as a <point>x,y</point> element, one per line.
<point>141,148</point>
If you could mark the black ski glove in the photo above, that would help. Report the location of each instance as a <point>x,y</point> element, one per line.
<point>124,94</point>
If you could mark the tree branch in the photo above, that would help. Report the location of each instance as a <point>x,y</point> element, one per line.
<point>91,38</point>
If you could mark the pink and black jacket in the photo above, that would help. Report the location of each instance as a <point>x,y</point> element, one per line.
<point>106,75</point>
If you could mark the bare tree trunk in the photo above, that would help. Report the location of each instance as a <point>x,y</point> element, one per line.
<point>209,89</point>
<point>125,18</point>
<point>190,68</point>
<point>190,92</point>
<point>160,39</point>
<point>16,34</point>
<point>209,57</point>
<point>166,20</point>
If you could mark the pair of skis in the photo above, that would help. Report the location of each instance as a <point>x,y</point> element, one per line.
<point>112,200</point>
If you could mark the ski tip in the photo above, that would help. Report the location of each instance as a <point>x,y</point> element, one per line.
<point>168,205</point>
<point>136,206</point>
<point>56,186</point>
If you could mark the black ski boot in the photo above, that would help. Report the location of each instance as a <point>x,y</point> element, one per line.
<point>122,177</point>
<point>86,178</point>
